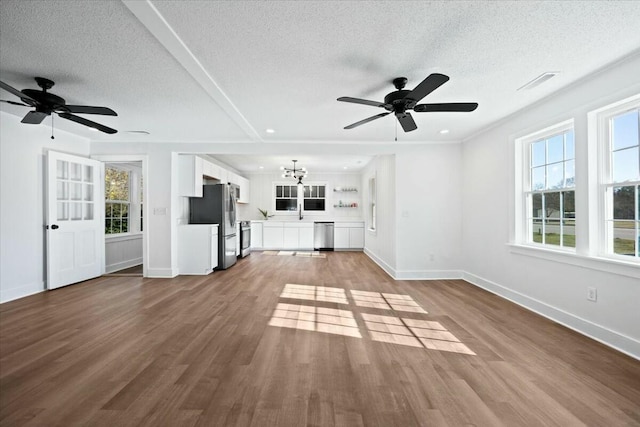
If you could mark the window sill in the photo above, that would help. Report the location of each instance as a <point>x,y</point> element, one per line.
<point>620,267</point>
<point>122,236</point>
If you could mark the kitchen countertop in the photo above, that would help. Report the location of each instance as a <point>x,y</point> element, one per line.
<point>310,220</point>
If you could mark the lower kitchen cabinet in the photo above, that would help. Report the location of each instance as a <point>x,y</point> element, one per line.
<point>197,248</point>
<point>256,235</point>
<point>348,235</point>
<point>273,235</point>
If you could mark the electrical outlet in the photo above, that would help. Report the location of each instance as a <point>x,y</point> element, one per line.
<point>592,294</point>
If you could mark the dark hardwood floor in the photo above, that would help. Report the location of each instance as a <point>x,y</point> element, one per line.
<point>294,341</point>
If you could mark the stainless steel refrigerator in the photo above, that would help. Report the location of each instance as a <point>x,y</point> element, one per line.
<point>218,206</point>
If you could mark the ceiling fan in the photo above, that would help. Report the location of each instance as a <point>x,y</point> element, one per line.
<point>46,103</point>
<point>401,101</point>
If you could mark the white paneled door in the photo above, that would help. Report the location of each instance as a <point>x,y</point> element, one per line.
<point>75,228</point>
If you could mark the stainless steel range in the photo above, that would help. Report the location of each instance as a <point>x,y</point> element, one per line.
<point>245,238</point>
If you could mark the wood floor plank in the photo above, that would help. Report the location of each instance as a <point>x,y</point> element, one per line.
<point>230,349</point>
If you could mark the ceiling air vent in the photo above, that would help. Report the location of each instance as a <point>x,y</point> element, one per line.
<point>539,80</point>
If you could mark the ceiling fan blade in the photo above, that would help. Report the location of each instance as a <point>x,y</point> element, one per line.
<point>14,103</point>
<point>86,122</point>
<point>85,109</point>
<point>34,117</point>
<point>14,91</point>
<point>428,85</point>
<point>367,120</point>
<point>407,122</point>
<point>463,107</point>
<point>363,101</point>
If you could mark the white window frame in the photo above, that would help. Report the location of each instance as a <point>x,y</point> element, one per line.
<point>600,147</point>
<point>523,226</point>
<point>300,197</point>
<point>134,203</point>
<point>372,209</point>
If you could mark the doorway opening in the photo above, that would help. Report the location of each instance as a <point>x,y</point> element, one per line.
<point>124,218</point>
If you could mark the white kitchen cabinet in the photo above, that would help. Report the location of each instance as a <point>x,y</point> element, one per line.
<point>256,235</point>
<point>197,248</point>
<point>245,191</point>
<point>348,235</point>
<point>210,170</point>
<point>356,237</point>
<point>340,237</point>
<point>273,235</point>
<point>290,237</point>
<point>190,175</point>
<point>305,236</point>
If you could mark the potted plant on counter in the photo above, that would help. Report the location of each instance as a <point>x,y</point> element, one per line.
<point>265,214</point>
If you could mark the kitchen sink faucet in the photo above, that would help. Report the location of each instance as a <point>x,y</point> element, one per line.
<point>300,212</point>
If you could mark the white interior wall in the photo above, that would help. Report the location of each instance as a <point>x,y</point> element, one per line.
<point>555,288</point>
<point>22,217</point>
<point>262,196</point>
<point>429,212</point>
<point>380,245</point>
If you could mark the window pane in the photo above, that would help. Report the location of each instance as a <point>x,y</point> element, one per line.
<point>286,191</point>
<point>555,149</point>
<point>569,146</point>
<point>570,173</point>
<point>321,189</point>
<point>536,230</point>
<point>307,191</point>
<point>125,226</point>
<point>278,190</point>
<point>537,178</point>
<point>286,204</point>
<point>552,232</point>
<point>115,210</point>
<point>552,205</point>
<point>107,210</point>
<point>107,226</point>
<point>314,191</point>
<point>623,202</point>
<point>294,191</point>
<point>568,204</point>
<point>569,233</point>
<point>624,130</point>
<point>624,238</point>
<point>536,205</point>
<point>314,204</point>
<point>124,211</point>
<point>625,165</point>
<point>555,175</point>
<point>537,153</point>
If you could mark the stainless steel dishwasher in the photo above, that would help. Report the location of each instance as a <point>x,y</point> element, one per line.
<point>323,236</point>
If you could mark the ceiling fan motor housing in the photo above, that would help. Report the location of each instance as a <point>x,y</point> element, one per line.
<point>46,102</point>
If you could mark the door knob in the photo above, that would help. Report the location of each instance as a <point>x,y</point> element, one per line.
<point>54,227</point>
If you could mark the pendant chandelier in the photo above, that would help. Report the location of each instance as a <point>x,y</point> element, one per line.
<point>296,173</point>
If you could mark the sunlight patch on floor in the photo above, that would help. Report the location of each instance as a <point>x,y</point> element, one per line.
<point>319,319</point>
<point>314,293</point>
<point>413,332</point>
<point>418,333</point>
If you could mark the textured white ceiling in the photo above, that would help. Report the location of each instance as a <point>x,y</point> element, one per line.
<point>224,71</point>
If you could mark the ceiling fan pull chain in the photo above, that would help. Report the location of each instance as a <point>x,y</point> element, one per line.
<point>52,127</point>
<point>396,130</point>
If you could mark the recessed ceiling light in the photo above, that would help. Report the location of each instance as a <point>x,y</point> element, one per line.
<point>444,131</point>
<point>345,167</point>
<point>270,130</point>
<point>260,167</point>
<point>539,80</point>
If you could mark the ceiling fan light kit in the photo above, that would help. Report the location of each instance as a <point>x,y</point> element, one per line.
<point>46,103</point>
<point>401,101</point>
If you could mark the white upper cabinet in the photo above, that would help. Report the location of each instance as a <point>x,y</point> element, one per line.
<point>190,175</point>
<point>245,190</point>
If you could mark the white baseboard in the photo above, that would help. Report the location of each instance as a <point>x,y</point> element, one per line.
<point>122,265</point>
<point>12,294</point>
<point>608,337</point>
<point>383,265</point>
<point>162,273</point>
<point>428,274</point>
